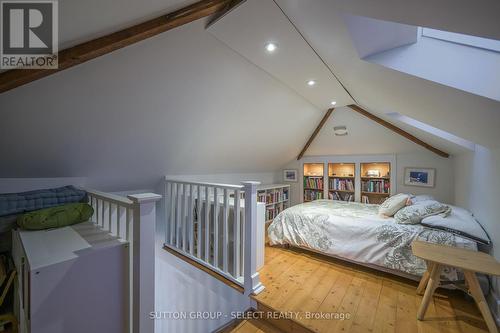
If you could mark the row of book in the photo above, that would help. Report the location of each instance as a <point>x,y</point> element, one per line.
<point>341,184</point>
<point>340,196</point>
<point>313,182</point>
<point>274,196</point>
<point>273,211</point>
<point>312,195</point>
<point>377,186</point>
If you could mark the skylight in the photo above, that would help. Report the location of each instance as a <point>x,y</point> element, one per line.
<point>482,43</point>
<point>460,61</point>
<point>433,130</point>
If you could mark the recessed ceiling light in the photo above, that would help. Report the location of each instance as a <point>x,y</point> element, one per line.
<point>311,83</point>
<point>271,47</point>
<point>333,103</point>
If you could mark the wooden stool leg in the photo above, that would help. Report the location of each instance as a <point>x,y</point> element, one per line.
<point>431,287</point>
<point>477,294</point>
<point>425,279</point>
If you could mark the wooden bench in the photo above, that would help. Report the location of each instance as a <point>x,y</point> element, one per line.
<point>471,262</point>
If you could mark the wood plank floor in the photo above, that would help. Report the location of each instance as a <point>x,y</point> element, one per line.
<point>255,326</point>
<point>312,285</point>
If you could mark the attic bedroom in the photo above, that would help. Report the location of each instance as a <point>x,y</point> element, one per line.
<point>249,166</point>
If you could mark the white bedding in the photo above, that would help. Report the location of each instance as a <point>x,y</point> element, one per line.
<point>354,231</point>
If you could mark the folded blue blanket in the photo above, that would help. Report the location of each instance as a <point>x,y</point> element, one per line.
<point>16,203</point>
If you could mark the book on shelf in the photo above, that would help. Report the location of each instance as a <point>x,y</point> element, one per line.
<point>312,195</point>
<point>313,182</point>
<point>342,184</point>
<point>377,186</point>
<point>364,199</point>
<point>274,196</point>
<point>273,211</point>
<point>341,197</point>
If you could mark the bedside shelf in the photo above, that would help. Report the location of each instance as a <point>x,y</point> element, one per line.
<point>341,180</point>
<point>276,197</point>
<point>313,182</point>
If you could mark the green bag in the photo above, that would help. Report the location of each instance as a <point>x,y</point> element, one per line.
<point>55,217</point>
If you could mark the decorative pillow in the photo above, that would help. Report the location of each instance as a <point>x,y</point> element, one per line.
<point>392,204</point>
<point>416,213</point>
<point>17,203</point>
<point>56,217</point>
<point>460,222</point>
<point>422,197</point>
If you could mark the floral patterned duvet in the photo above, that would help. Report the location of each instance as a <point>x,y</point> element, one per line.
<point>354,231</point>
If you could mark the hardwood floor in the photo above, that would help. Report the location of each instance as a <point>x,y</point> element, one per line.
<point>358,299</point>
<point>255,326</point>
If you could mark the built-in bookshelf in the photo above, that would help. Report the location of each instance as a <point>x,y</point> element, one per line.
<point>375,182</point>
<point>276,197</point>
<point>313,181</point>
<point>341,180</point>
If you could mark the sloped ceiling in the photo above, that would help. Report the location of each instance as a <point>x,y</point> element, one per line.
<point>178,103</point>
<point>183,102</point>
<point>80,21</point>
<point>252,24</point>
<point>383,90</point>
<point>378,89</point>
<point>366,136</point>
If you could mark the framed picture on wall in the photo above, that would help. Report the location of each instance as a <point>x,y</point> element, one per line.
<point>425,177</point>
<point>290,175</point>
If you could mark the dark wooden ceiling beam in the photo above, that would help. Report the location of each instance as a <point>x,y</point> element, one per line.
<point>398,130</point>
<point>97,47</point>
<point>231,4</point>
<point>315,133</point>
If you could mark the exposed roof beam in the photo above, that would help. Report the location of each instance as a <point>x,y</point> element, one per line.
<point>97,47</point>
<point>398,130</point>
<point>315,133</point>
<point>231,5</point>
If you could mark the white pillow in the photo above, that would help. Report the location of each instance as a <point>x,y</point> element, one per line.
<point>392,204</point>
<point>460,222</point>
<point>414,214</point>
<point>422,197</point>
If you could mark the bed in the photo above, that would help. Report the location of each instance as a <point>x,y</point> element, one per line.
<point>355,232</point>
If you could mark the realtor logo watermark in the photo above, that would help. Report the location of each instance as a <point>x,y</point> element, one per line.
<point>29,34</point>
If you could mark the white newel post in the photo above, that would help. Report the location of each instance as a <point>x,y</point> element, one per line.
<point>143,261</point>
<point>251,284</point>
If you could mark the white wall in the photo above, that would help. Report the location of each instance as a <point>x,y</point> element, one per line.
<point>477,187</point>
<point>182,288</point>
<point>443,191</point>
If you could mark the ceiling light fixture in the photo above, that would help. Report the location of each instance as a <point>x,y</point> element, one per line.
<point>340,130</point>
<point>333,103</point>
<point>311,83</point>
<point>271,47</point>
